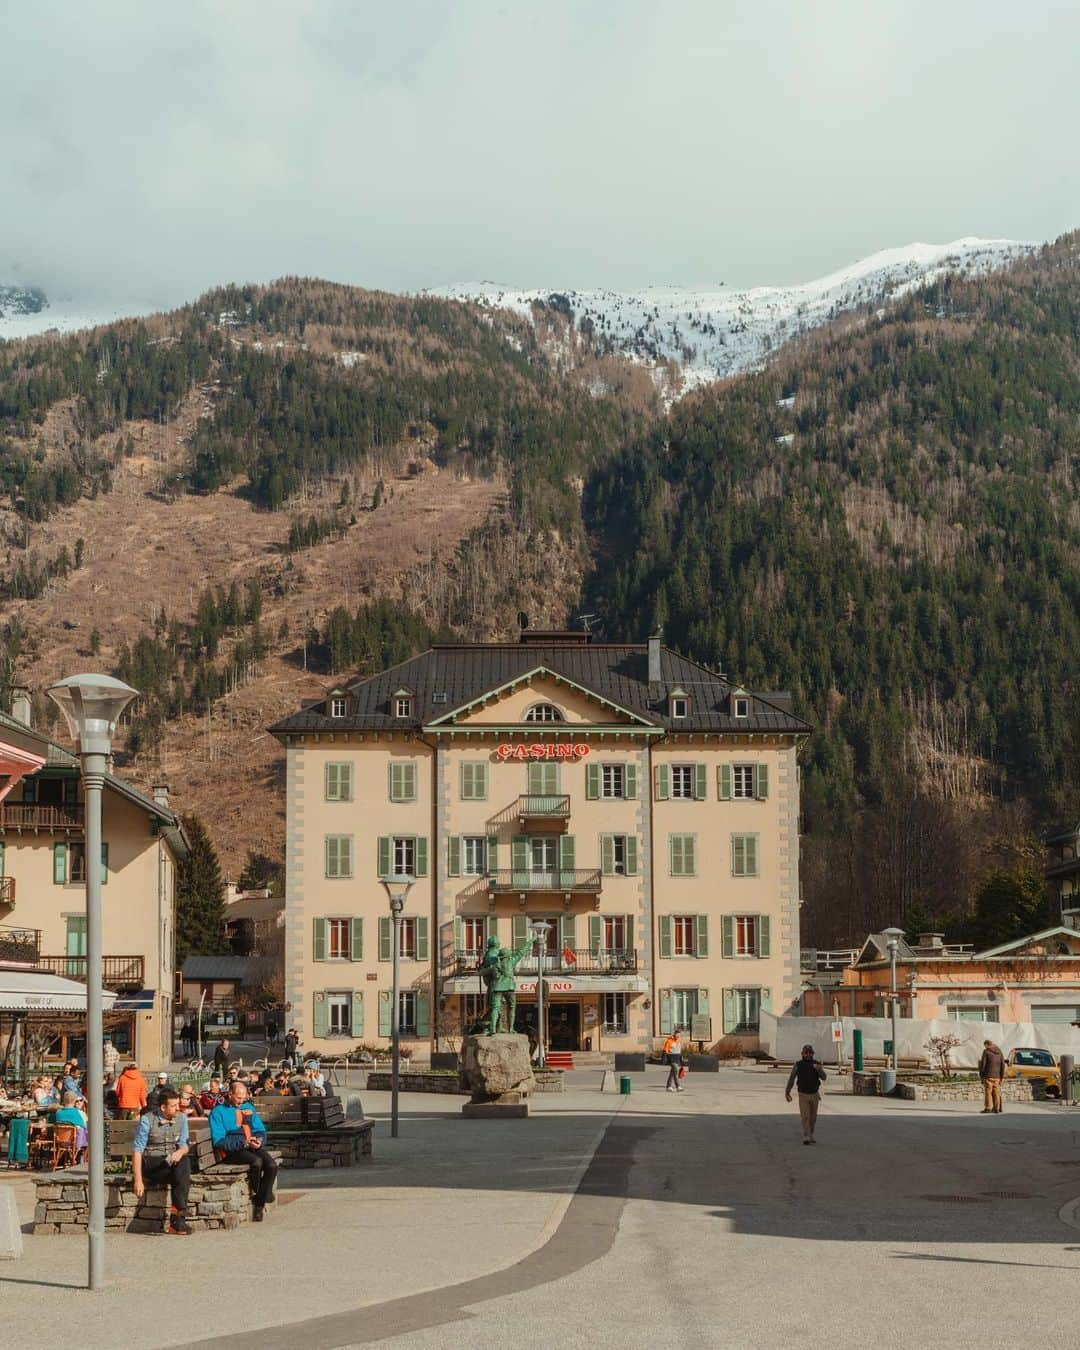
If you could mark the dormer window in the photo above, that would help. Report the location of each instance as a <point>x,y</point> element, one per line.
<point>338,707</point>
<point>543,712</point>
<point>402,706</point>
<point>740,703</point>
<point>678,704</point>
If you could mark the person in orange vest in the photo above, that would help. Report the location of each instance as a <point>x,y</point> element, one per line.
<point>673,1057</point>
<point>131,1092</point>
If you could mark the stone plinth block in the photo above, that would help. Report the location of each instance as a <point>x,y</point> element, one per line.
<point>495,1110</point>
<point>492,1066</point>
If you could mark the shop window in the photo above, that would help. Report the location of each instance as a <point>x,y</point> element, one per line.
<point>614,1014</point>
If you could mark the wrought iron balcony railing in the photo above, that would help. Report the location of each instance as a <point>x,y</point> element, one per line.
<point>20,946</point>
<point>118,972</point>
<point>579,960</point>
<point>42,817</point>
<point>543,808</point>
<point>580,879</point>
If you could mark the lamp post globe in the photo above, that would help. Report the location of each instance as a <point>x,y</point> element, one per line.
<point>397,891</point>
<point>92,706</point>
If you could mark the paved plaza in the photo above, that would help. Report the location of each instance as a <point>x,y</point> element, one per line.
<point>654,1220</point>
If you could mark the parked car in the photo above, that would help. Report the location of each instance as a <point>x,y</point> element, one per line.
<point>1035,1064</point>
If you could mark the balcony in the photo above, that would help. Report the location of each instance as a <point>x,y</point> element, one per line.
<point>552,813</point>
<point>567,880</point>
<point>7,890</point>
<point>119,972</point>
<point>579,961</point>
<point>19,946</point>
<point>41,818</point>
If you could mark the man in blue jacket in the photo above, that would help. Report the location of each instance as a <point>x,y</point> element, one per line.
<point>238,1135</point>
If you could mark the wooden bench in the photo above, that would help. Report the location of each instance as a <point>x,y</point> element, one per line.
<point>318,1112</point>
<point>120,1142</point>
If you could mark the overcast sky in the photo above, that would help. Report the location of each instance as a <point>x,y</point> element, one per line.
<point>149,149</point>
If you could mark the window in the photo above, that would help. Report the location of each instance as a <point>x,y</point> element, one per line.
<point>338,707</point>
<point>544,854</point>
<point>542,780</point>
<point>402,706</point>
<point>339,860</point>
<point>682,780</point>
<point>740,706</point>
<point>404,857</point>
<point>680,705</point>
<point>619,855</point>
<point>746,930</point>
<point>683,929</point>
<point>1038,1059</point>
<point>684,1004</point>
<point>742,781</point>
<point>543,712</point>
<point>338,782</point>
<point>473,855</point>
<point>69,863</point>
<point>337,939</point>
<point>682,851</point>
<point>403,782</point>
<point>75,947</point>
<point>684,935</point>
<point>407,945</point>
<point>744,855</point>
<point>473,780</point>
<point>613,1013</point>
<point>414,944</point>
<point>473,1007</point>
<point>746,1011</point>
<point>615,933</point>
<point>972,1013</point>
<point>473,937</point>
<point>612,780</point>
<point>746,935</point>
<point>339,1014</point>
<point>407,1012</point>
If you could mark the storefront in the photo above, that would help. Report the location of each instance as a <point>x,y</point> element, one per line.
<point>41,1016</point>
<point>580,1011</point>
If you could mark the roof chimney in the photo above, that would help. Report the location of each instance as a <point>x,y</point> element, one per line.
<point>654,659</point>
<point>161,794</point>
<point>20,705</point>
<point>932,942</point>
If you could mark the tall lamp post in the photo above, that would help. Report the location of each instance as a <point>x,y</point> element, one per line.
<point>92,705</point>
<point>397,888</point>
<point>539,932</point>
<point>892,938</point>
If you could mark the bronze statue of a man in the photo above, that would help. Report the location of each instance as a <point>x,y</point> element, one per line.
<point>497,972</point>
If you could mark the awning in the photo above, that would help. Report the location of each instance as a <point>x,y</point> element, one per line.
<point>35,991</point>
<point>143,1001</point>
<point>557,984</point>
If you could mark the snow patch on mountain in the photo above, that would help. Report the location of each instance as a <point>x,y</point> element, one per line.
<point>26,311</point>
<point>715,332</point>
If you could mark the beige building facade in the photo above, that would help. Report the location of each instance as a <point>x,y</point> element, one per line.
<point>639,804</point>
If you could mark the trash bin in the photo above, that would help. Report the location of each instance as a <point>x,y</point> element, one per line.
<point>624,1085</point>
<point>886,1081</point>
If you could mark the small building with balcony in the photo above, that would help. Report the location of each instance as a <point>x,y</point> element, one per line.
<point>642,805</point>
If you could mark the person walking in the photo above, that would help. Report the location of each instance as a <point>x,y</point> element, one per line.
<point>991,1071</point>
<point>809,1075</point>
<point>131,1093</point>
<point>221,1056</point>
<point>673,1057</point>
<point>292,1047</point>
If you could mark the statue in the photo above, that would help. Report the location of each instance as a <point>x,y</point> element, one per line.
<point>497,972</point>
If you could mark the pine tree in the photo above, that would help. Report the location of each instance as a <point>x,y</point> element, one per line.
<point>200,897</point>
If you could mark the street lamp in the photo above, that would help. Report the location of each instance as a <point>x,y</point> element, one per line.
<point>539,932</point>
<point>397,888</point>
<point>892,938</point>
<point>92,705</point>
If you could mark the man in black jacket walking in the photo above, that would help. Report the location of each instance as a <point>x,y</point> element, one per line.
<point>809,1075</point>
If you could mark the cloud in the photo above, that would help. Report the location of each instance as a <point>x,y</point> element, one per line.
<point>149,150</point>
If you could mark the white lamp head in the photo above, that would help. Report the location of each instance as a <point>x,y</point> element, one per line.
<point>92,705</point>
<point>398,888</point>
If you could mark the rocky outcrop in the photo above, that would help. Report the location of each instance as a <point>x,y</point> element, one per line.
<point>496,1069</point>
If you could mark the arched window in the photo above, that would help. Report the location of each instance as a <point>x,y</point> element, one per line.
<point>543,712</point>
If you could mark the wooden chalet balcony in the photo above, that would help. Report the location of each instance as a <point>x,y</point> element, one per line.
<point>563,879</point>
<point>119,972</point>
<point>20,946</point>
<point>42,818</point>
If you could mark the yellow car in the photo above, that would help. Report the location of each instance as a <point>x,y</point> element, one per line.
<point>1035,1064</point>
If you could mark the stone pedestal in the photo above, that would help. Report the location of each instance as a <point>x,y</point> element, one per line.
<point>497,1073</point>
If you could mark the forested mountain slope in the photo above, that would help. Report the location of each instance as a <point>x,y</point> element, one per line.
<point>885,522</point>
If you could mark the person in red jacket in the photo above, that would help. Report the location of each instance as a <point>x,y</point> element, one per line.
<point>131,1092</point>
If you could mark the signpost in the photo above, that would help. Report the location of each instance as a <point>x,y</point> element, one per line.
<point>838,1041</point>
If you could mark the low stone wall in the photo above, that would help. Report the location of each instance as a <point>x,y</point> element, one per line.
<point>336,1146</point>
<point>378,1081</point>
<point>218,1198</point>
<point>1012,1090</point>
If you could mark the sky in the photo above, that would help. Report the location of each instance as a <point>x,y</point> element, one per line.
<point>151,150</point>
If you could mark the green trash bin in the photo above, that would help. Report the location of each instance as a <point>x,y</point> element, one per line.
<point>624,1085</point>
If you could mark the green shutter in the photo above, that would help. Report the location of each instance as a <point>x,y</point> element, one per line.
<point>675,855</point>
<point>701,935</point>
<point>727,936</point>
<point>453,855</point>
<point>384,1012</point>
<point>566,856</point>
<point>345,781</point>
<point>667,935</point>
<point>2,848</point>
<point>420,853</point>
<point>357,1026</point>
<point>59,864</point>
<point>738,855</point>
<point>726,781</point>
<point>665,1012</point>
<point>384,855</point>
<point>630,778</point>
<point>491,926</point>
<point>465,780</point>
<point>631,855</point>
<point>663,782</point>
<point>423,1013</point>
<point>690,854</point>
<point>596,933</point>
<point>607,854</point>
<point>318,940</point>
<point>104,863</point>
<point>386,938</point>
<point>332,789</point>
<point>764,935</point>
<point>519,929</point>
<point>491,854</point>
<point>395,782</point>
<point>321,1019</point>
<point>567,933</point>
<point>542,779</point>
<point>459,940</point>
<point>356,939</point>
<point>700,785</point>
<point>729,1012</point>
<point>519,859</point>
<point>592,781</point>
<point>703,1002</point>
<point>751,855</point>
<point>761,782</point>
<point>423,941</point>
<point>408,782</point>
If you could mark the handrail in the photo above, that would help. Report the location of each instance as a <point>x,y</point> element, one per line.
<point>41,816</point>
<point>551,807</point>
<point>554,879</point>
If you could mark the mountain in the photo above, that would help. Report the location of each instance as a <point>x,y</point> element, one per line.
<point>713,333</point>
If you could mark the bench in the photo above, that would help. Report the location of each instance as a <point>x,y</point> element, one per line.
<point>320,1112</point>
<point>120,1142</point>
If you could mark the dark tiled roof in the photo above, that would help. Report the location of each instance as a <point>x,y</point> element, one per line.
<point>616,672</point>
<point>246,969</point>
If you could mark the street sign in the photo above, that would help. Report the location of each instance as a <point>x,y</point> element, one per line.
<point>701,1027</point>
<point>838,1031</point>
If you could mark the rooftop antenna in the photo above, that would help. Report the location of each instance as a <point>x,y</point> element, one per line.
<point>586,621</point>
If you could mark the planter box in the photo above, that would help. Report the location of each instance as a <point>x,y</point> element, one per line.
<point>703,1063</point>
<point>417,1082</point>
<point>629,1062</point>
<point>1012,1090</point>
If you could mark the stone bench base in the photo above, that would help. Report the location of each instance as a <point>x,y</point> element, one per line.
<point>218,1198</point>
<point>336,1146</point>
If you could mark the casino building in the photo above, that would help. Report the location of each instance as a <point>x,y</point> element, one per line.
<point>644,806</point>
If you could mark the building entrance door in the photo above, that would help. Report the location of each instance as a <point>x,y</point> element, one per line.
<point>564,1026</point>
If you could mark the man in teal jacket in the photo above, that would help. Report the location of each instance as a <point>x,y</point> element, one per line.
<point>239,1136</point>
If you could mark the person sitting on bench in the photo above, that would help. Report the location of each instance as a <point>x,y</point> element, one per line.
<point>238,1135</point>
<point>160,1155</point>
